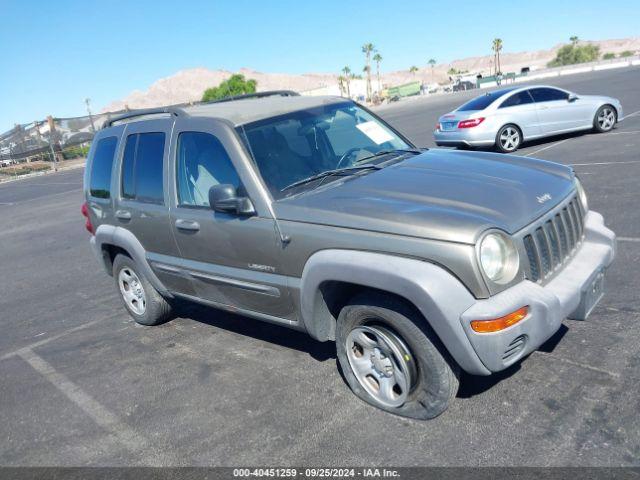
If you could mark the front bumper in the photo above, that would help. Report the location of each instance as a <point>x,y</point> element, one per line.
<point>563,297</point>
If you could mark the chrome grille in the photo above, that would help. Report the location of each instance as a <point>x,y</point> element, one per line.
<point>549,244</point>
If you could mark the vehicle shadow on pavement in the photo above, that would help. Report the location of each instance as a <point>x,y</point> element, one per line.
<point>472,385</point>
<point>266,332</point>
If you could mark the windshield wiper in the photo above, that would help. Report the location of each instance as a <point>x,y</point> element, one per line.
<point>387,152</point>
<point>329,173</point>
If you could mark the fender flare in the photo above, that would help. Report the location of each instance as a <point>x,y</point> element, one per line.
<point>436,293</point>
<point>123,238</point>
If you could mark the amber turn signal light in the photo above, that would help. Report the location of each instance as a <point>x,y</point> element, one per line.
<point>497,324</point>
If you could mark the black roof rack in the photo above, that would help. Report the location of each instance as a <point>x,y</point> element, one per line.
<point>178,112</point>
<point>270,93</point>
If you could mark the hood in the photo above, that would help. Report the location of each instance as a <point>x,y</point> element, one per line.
<point>440,194</point>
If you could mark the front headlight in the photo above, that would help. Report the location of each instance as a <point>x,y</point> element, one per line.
<point>582,195</point>
<point>499,257</point>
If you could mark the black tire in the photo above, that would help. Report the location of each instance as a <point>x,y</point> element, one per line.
<point>514,133</point>
<point>603,127</point>
<point>436,375</point>
<point>156,309</point>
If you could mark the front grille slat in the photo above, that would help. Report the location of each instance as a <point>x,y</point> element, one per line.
<point>549,243</point>
<point>552,242</point>
<point>543,251</point>
<point>571,233</point>
<point>578,215</point>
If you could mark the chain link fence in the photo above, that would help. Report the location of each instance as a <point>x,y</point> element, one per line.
<point>47,144</point>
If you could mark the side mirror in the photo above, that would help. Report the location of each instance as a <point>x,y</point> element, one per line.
<point>572,97</point>
<point>223,198</point>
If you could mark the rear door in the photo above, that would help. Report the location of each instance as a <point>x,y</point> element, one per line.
<point>232,260</point>
<point>143,206</point>
<point>520,109</point>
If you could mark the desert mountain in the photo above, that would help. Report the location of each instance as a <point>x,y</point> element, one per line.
<point>188,85</point>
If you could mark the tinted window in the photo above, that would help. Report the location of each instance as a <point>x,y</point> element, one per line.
<point>142,167</point>
<point>100,183</point>
<point>128,162</point>
<point>548,94</point>
<point>202,163</point>
<point>482,102</point>
<point>520,98</point>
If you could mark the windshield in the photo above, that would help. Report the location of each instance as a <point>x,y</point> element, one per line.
<point>483,101</point>
<point>293,147</point>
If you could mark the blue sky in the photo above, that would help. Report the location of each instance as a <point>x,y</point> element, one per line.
<point>56,53</point>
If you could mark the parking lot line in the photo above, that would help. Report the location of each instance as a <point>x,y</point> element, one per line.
<point>603,163</point>
<point>578,364</point>
<point>547,147</point>
<point>124,435</point>
<point>55,337</point>
<point>628,239</point>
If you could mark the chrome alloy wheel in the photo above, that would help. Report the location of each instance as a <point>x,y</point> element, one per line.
<point>382,364</point>
<point>606,118</point>
<point>132,290</point>
<point>510,138</point>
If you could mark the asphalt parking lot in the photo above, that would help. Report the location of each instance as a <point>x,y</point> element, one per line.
<point>81,384</point>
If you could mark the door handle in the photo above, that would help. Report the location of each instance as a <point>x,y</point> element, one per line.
<point>123,215</point>
<point>543,107</point>
<point>189,225</point>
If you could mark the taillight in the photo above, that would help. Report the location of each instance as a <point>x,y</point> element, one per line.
<point>438,126</point>
<point>474,122</point>
<point>85,213</point>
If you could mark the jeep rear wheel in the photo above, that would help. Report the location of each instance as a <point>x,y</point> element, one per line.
<point>391,358</point>
<point>143,302</point>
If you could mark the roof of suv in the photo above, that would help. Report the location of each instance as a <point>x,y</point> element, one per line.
<point>249,110</point>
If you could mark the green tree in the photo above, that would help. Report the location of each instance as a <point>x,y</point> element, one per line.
<point>574,40</point>
<point>367,48</point>
<point>378,58</point>
<point>626,53</point>
<point>572,54</point>
<point>413,70</point>
<point>452,71</point>
<point>432,63</point>
<point>347,78</point>
<point>231,87</point>
<point>496,46</point>
<point>608,56</point>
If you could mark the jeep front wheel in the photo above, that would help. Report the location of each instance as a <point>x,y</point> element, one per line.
<point>391,358</point>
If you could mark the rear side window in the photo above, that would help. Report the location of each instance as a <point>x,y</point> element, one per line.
<point>142,167</point>
<point>482,102</point>
<point>100,183</point>
<point>548,94</point>
<point>520,98</point>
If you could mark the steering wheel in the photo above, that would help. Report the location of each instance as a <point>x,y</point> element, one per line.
<point>346,155</point>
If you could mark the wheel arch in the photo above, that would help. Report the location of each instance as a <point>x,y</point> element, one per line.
<point>331,277</point>
<point>111,240</point>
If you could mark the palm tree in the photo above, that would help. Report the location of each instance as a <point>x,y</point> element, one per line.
<point>341,84</point>
<point>367,48</point>
<point>432,62</point>
<point>378,58</point>
<point>574,40</point>
<point>347,76</point>
<point>413,70</point>
<point>496,47</point>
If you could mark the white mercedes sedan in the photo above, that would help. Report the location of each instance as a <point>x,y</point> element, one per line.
<point>508,117</point>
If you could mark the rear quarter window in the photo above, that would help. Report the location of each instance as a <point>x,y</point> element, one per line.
<point>101,166</point>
